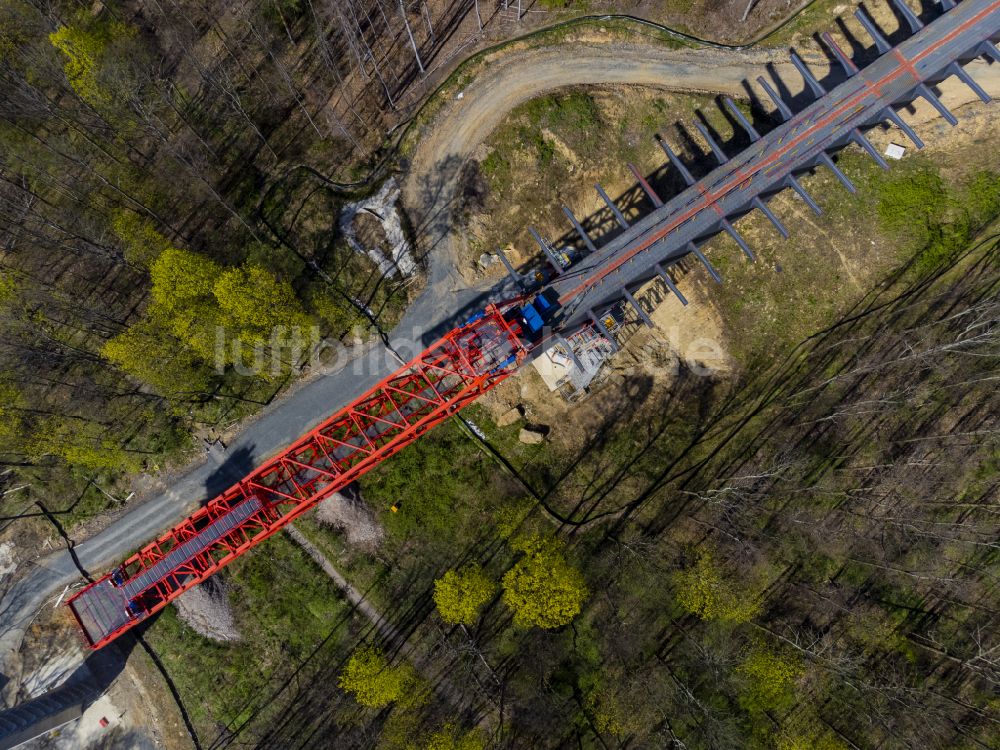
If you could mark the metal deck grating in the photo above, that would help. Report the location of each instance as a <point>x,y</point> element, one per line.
<point>190,549</point>
<point>101,610</point>
<point>387,418</point>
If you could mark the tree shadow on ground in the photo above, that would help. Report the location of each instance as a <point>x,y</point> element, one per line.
<point>234,467</point>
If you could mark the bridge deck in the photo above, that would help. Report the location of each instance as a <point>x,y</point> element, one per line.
<point>762,169</point>
<point>100,610</point>
<point>444,378</point>
<point>186,551</point>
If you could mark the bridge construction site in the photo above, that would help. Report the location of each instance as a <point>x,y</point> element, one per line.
<point>570,307</point>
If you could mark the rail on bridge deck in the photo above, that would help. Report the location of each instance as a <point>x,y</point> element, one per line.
<point>477,356</point>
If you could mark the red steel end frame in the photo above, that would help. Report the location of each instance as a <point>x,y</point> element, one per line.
<point>449,375</point>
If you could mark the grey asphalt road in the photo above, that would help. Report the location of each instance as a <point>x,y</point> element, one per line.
<point>429,193</point>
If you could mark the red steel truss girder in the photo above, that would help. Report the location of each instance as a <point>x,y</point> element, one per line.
<point>433,386</point>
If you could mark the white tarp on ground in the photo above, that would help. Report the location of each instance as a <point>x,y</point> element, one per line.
<point>382,206</point>
<point>558,367</point>
<point>554,365</point>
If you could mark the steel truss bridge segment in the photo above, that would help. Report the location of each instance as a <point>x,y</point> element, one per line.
<point>868,97</point>
<point>436,384</point>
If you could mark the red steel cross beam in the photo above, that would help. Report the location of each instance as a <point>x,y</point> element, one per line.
<point>449,375</point>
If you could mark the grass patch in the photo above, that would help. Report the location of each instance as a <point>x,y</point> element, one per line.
<point>573,112</point>
<point>558,146</point>
<point>438,485</point>
<point>817,16</point>
<point>285,606</point>
<point>912,215</point>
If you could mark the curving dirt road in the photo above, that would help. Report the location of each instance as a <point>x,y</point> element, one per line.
<point>430,191</point>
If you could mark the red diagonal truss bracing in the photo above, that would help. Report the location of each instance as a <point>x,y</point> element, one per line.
<point>446,377</point>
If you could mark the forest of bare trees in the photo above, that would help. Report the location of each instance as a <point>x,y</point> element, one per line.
<point>129,129</point>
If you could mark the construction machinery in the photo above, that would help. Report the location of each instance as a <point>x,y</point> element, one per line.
<point>436,384</point>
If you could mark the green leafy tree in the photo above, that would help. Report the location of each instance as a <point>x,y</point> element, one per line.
<point>182,279</point>
<point>451,737</point>
<point>255,302</point>
<point>218,314</point>
<point>373,681</point>
<point>509,516</point>
<point>143,244</point>
<point>701,590</point>
<point>459,595</point>
<point>88,445</point>
<point>768,679</point>
<point>183,299</point>
<point>543,589</point>
<point>607,709</point>
<point>152,356</point>
<point>88,48</point>
<point>336,312</point>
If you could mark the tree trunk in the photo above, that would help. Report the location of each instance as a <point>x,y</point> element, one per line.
<point>409,33</point>
<point>427,20</point>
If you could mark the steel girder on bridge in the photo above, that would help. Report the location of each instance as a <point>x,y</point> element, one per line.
<point>741,184</point>
<point>435,385</point>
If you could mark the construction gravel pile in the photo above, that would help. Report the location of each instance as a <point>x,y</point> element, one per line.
<point>207,611</point>
<point>347,512</point>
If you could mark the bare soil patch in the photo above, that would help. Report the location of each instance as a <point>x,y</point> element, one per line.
<point>370,232</point>
<point>137,705</point>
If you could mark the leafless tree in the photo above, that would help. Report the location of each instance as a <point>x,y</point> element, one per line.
<point>409,33</point>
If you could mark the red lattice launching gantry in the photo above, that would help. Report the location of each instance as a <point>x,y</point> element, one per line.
<point>446,377</point>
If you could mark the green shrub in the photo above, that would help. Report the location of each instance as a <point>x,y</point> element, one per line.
<point>460,594</point>
<point>543,589</point>
<point>90,49</point>
<point>701,590</point>
<point>911,202</point>
<point>767,680</point>
<point>451,737</point>
<point>373,681</point>
<point>494,164</point>
<point>982,197</point>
